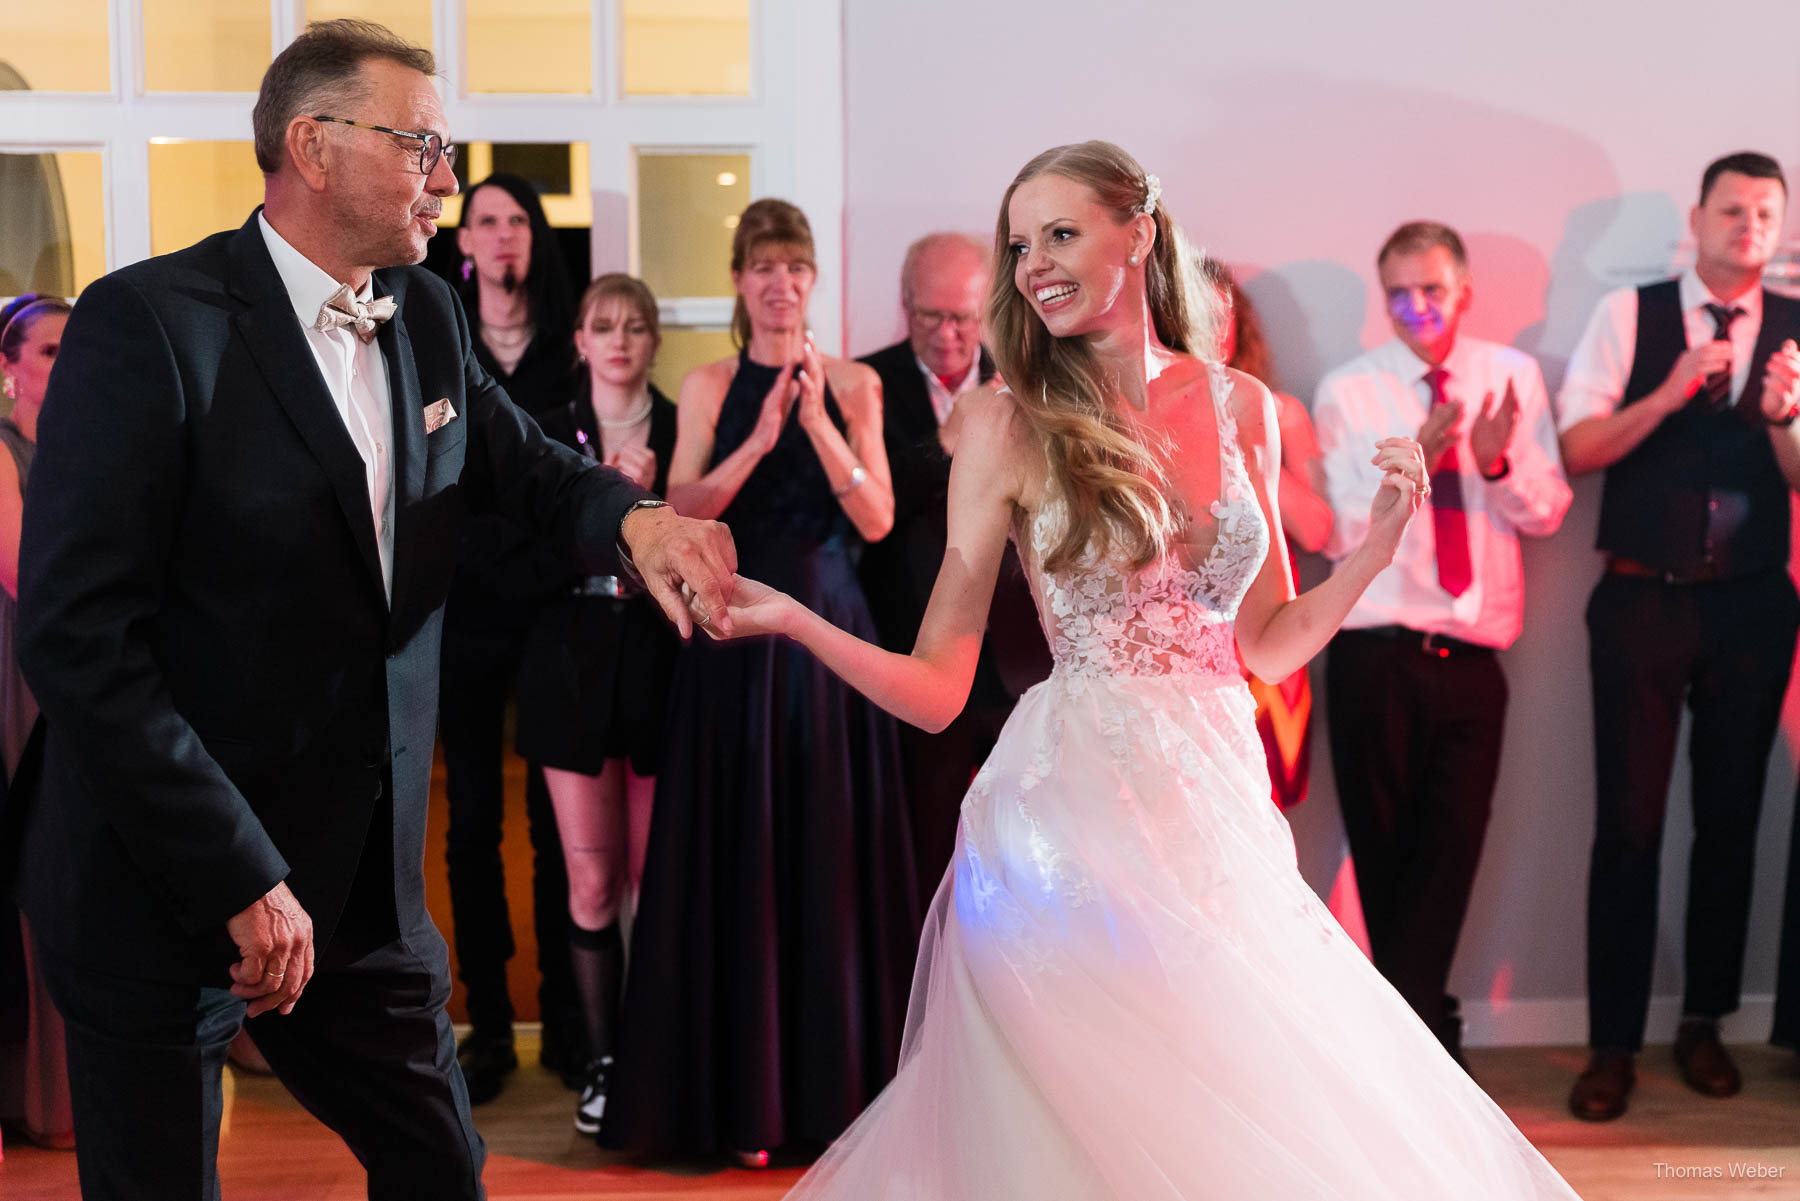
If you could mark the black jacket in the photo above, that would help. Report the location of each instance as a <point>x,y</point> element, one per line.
<point>227,689</point>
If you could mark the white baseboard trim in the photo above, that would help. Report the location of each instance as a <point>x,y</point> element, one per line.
<point>1563,1022</point>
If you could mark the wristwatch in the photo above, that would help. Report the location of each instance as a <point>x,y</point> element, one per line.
<point>631,571</point>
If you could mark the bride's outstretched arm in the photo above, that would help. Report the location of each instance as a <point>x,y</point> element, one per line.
<point>1277,631</point>
<point>929,687</point>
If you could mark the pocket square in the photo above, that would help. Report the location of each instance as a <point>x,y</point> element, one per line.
<point>438,414</point>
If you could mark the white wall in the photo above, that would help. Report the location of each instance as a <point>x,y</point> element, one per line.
<point>1565,141</point>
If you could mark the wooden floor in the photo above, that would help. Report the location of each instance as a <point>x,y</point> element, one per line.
<point>1663,1150</point>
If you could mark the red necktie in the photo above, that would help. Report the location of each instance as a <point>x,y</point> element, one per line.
<point>1448,520</point>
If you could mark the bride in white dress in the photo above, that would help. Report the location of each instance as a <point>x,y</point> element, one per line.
<point>1125,988</point>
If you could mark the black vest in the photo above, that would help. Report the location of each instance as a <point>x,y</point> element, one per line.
<point>1702,494</point>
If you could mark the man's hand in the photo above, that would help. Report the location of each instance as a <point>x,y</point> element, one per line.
<point>669,550</point>
<point>274,939</point>
<point>1438,434</point>
<point>1781,383</point>
<point>1691,370</point>
<point>1492,431</point>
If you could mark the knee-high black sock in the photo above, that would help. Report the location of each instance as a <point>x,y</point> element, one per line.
<point>598,957</point>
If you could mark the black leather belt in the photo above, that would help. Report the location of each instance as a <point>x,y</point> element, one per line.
<point>1441,645</point>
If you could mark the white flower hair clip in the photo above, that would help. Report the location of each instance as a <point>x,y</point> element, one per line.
<point>1152,193</point>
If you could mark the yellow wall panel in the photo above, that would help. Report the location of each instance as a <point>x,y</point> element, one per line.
<point>686,47</point>
<point>205,45</point>
<point>60,47</point>
<point>529,46</point>
<point>199,188</point>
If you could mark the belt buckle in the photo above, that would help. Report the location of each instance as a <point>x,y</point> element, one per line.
<point>1429,643</point>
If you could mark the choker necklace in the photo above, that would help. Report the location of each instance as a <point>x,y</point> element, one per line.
<point>635,418</point>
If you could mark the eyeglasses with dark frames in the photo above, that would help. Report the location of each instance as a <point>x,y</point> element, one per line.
<point>431,147</point>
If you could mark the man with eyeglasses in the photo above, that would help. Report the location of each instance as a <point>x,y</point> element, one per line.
<point>943,288</point>
<point>251,483</point>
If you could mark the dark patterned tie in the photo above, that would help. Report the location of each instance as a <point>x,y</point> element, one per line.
<point>1448,520</point>
<point>1716,388</point>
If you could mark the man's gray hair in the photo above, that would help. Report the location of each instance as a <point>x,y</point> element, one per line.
<point>323,68</point>
<point>909,266</point>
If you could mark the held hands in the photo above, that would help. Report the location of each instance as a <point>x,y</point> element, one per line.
<point>755,608</point>
<point>672,552</point>
<point>274,938</point>
<point>1691,370</point>
<point>1404,486</point>
<point>636,463</point>
<point>1781,384</point>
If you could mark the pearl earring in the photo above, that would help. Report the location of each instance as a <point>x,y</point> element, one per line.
<point>1134,259</point>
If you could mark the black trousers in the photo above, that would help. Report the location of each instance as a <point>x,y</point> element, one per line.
<point>1724,649</point>
<point>938,769</point>
<point>478,676</point>
<point>1786,1031</point>
<point>368,1050</point>
<point>1415,746</point>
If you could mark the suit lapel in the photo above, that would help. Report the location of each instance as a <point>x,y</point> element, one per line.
<point>409,422</point>
<point>278,345</point>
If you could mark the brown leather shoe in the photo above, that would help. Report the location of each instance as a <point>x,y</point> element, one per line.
<point>1705,1064</point>
<point>1603,1089</point>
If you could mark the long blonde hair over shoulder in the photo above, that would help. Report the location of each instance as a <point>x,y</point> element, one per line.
<point>1114,487</point>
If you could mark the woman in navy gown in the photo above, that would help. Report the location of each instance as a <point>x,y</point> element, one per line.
<point>770,963</point>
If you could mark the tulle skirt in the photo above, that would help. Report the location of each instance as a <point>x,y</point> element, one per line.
<point>1126,990</point>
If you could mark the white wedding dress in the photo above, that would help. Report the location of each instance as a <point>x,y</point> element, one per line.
<point>1125,989</point>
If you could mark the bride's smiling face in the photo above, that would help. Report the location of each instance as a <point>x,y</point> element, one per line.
<point>1071,256</point>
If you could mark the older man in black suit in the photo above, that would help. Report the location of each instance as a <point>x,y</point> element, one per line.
<point>244,516</point>
<point>943,285</point>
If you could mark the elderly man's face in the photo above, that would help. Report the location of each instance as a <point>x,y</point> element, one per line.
<point>385,207</point>
<point>943,319</point>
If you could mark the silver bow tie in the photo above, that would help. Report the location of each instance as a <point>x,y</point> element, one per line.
<point>345,309</point>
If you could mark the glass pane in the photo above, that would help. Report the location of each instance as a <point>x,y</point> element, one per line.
<point>205,45</point>
<point>61,47</point>
<point>411,19</point>
<point>557,170</point>
<point>686,47</point>
<point>528,46</point>
<point>199,188</point>
<point>684,349</point>
<point>54,237</point>
<point>688,204</point>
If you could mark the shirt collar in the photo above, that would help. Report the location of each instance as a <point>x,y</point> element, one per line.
<point>308,286</point>
<point>969,380</point>
<point>1694,294</point>
<point>1397,356</point>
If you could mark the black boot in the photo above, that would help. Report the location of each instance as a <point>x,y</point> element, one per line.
<point>598,957</point>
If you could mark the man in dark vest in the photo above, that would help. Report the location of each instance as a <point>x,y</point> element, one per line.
<point>1683,391</point>
<point>943,286</point>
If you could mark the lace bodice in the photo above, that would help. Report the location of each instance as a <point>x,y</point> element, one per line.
<point>1169,618</point>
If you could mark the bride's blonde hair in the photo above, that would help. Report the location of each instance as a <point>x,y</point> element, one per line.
<point>1114,486</point>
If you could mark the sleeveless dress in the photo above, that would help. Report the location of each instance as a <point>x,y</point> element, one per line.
<point>1125,989</point>
<point>780,914</point>
<point>34,1077</point>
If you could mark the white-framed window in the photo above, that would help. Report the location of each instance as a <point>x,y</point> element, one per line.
<point>140,130</point>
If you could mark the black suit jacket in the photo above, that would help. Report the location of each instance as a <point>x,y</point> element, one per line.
<point>899,571</point>
<point>230,696</point>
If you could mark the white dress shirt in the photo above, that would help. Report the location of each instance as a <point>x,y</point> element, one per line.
<point>356,375</point>
<point>1601,365</point>
<point>1383,394</point>
<point>944,399</point>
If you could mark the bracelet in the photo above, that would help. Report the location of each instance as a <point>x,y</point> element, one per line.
<point>1787,418</point>
<point>1505,470</point>
<point>857,476</point>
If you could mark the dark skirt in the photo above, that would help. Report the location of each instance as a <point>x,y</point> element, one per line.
<point>593,684</point>
<point>772,957</point>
